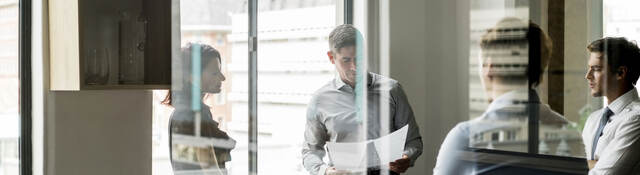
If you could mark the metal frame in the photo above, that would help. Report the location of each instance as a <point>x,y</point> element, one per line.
<point>253,77</point>
<point>24,58</point>
<point>348,11</point>
<point>533,122</point>
<point>253,86</point>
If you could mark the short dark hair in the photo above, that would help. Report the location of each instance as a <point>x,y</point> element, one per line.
<point>208,52</point>
<point>342,36</point>
<point>513,31</point>
<point>618,52</point>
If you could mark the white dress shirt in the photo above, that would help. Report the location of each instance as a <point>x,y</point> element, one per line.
<point>331,117</point>
<point>618,149</point>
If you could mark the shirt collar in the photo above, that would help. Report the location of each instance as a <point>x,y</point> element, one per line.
<point>515,98</point>
<point>337,81</point>
<point>339,84</point>
<point>621,102</point>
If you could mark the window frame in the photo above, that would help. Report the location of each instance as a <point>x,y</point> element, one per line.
<point>25,86</point>
<point>347,14</point>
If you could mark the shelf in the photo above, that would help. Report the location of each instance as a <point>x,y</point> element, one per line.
<point>124,44</point>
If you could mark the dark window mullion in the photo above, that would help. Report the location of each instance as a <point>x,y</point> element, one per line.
<point>253,86</point>
<point>348,11</point>
<point>25,86</point>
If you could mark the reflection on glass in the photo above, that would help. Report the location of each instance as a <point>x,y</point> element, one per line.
<point>621,20</point>
<point>196,142</point>
<point>292,64</point>
<point>350,113</point>
<point>512,58</point>
<point>220,24</point>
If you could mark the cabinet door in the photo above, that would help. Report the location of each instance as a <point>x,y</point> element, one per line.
<point>64,45</point>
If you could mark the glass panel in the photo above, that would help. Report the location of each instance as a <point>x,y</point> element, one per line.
<point>527,89</point>
<point>349,110</point>
<point>204,129</point>
<point>622,20</point>
<point>9,88</point>
<point>511,54</point>
<point>292,65</point>
<point>498,86</point>
<point>160,135</point>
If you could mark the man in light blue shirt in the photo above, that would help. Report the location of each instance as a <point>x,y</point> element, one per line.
<point>333,113</point>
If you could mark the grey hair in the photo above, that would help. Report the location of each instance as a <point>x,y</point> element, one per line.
<point>342,36</point>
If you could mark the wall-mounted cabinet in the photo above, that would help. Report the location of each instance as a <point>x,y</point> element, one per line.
<point>110,44</point>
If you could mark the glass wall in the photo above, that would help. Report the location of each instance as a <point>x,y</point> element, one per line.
<point>499,84</point>
<point>205,121</point>
<point>9,89</point>
<point>511,58</point>
<point>621,20</point>
<point>295,60</point>
<point>503,55</point>
<point>528,93</point>
<point>292,65</point>
<point>290,52</point>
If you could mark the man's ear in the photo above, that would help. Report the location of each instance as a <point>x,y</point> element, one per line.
<point>622,73</point>
<point>331,58</point>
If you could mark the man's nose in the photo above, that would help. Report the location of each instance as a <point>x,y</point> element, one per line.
<point>588,75</point>
<point>353,66</point>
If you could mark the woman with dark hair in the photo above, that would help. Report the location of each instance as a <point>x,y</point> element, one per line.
<point>196,143</point>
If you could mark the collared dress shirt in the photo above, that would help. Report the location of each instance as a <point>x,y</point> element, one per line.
<point>618,149</point>
<point>507,112</point>
<point>331,117</point>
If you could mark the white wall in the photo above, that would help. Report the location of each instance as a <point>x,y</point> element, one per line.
<point>429,57</point>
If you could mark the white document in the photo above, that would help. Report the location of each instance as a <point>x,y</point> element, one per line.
<point>353,156</point>
<point>391,147</point>
<point>348,156</point>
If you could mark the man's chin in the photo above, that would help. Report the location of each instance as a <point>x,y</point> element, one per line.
<point>595,93</point>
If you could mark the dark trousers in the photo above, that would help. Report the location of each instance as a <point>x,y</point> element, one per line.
<point>377,172</point>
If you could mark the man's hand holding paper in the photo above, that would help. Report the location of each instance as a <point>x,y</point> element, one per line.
<point>353,156</point>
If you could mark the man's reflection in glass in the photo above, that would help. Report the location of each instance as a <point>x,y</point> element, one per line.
<point>197,145</point>
<point>514,56</point>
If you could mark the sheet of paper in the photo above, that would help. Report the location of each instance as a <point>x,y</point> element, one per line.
<point>347,156</point>
<point>391,147</point>
<point>353,156</point>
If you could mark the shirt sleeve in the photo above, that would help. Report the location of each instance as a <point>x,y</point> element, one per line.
<point>315,137</point>
<point>623,152</point>
<point>403,116</point>
<point>447,161</point>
